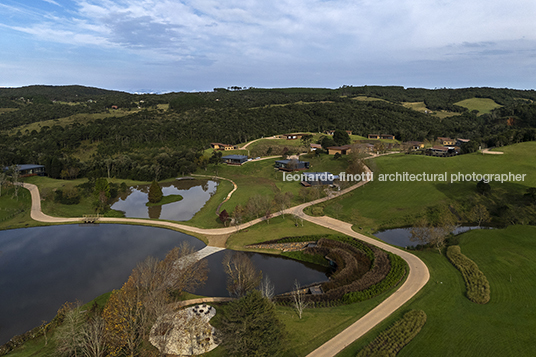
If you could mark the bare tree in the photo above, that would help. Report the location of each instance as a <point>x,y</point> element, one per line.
<point>283,200</point>
<point>267,288</point>
<point>2,181</point>
<point>15,176</point>
<point>479,213</point>
<point>242,276</point>
<point>68,337</point>
<point>93,337</point>
<point>427,233</point>
<point>300,302</point>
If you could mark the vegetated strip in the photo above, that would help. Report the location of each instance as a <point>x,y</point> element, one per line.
<point>392,340</point>
<point>478,289</point>
<point>363,270</point>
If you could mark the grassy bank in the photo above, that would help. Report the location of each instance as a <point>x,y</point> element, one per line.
<point>388,204</point>
<point>456,326</point>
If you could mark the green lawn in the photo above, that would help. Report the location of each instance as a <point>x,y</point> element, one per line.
<point>458,327</point>
<point>15,211</point>
<point>261,178</point>
<point>278,227</point>
<point>394,204</point>
<point>482,105</point>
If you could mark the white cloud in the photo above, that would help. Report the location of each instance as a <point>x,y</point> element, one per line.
<point>52,2</point>
<point>251,35</point>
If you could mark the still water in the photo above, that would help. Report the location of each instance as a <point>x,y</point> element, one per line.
<point>401,236</point>
<point>43,267</point>
<point>195,194</point>
<point>280,270</point>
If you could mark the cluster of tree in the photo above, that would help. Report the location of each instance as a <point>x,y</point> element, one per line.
<point>149,144</point>
<point>124,323</point>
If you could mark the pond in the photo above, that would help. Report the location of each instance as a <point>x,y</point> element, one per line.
<point>401,236</point>
<point>281,271</point>
<point>195,194</point>
<point>43,267</point>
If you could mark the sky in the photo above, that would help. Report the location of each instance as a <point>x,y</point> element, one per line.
<point>198,45</point>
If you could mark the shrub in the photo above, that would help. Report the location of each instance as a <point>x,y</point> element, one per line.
<point>476,283</point>
<point>392,340</point>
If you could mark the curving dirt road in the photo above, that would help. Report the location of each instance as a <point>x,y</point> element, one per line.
<point>417,277</point>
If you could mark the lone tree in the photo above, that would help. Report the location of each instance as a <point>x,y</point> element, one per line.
<point>242,276</point>
<point>341,137</point>
<point>250,327</point>
<point>155,192</point>
<point>483,187</point>
<point>436,234</point>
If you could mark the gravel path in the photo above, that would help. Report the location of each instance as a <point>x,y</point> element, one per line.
<point>417,277</point>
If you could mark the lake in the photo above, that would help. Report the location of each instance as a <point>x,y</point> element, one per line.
<point>43,267</point>
<point>195,194</point>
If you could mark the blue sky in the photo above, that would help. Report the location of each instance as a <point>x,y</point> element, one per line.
<point>196,45</point>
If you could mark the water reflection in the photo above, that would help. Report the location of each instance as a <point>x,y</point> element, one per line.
<point>195,194</point>
<point>401,236</point>
<point>281,271</point>
<point>41,268</point>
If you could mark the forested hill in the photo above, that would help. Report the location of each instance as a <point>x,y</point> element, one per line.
<point>52,125</point>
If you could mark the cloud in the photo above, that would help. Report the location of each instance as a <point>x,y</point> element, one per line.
<point>52,2</point>
<point>287,36</point>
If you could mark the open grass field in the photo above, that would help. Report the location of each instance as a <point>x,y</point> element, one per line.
<point>278,227</point>
<point>15,211</point>
<point>82,118</point>
<point>394,204</point>
<point>458,327</point>
<point>421,107</point>
<point>260,177</point>
<point>482,105</point>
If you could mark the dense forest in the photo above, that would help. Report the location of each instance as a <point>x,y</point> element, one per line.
<point>167,133</point>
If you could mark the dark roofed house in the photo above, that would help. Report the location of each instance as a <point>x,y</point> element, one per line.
<point>387,136</point>
<point>342,150</point>
<point>291,165</point>
<point>318,178</point>
<point>234,159</point>
<point>415,145</point>
<point>373,136</point>
<point>29,170</point>
<point>459,141</point>
<point>445,141</point>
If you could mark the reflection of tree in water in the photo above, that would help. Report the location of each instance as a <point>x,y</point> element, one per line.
<point>205,186</point>
<point>155,211</point>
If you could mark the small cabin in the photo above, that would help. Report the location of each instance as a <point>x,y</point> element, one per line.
<point>29,170</point>
<point>293,136</point>
<point>387,136</point>
<point>318,178</point>
<point>315,147</point>
<point>342,150</point>
<point>373,136</point>
<point>291,165</point>
<point>415,145</point>
<point>234,159</point>
<point>446,141</point>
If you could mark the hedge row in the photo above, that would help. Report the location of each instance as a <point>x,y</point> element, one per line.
<point>394,276</point>
<point>477,284</point>
<point>363,270</point>
<point>317,259</point>
<point>392,340</point>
